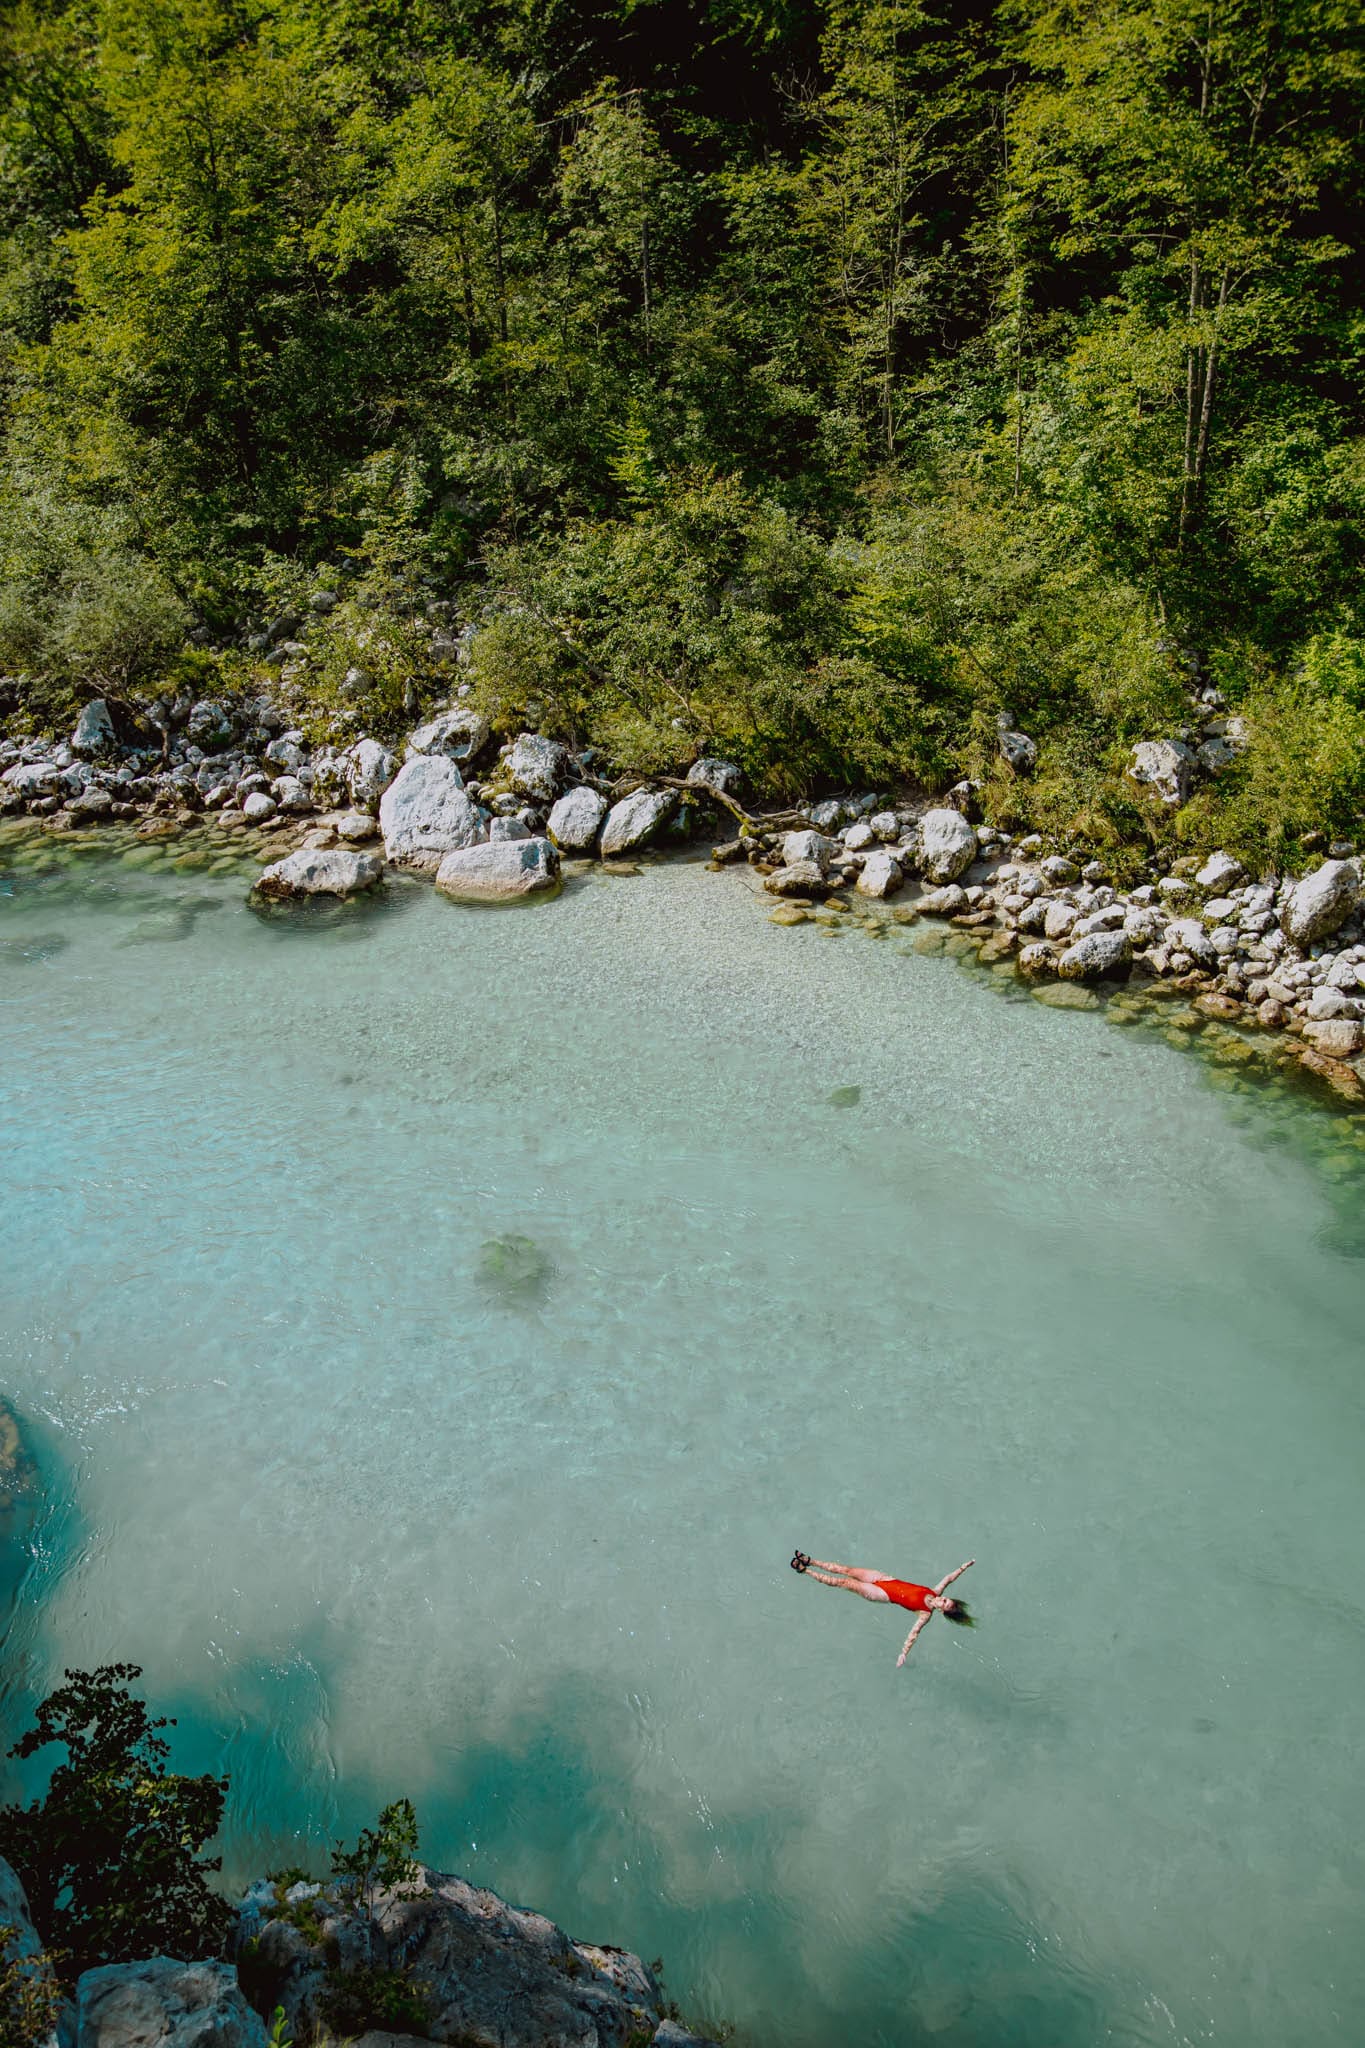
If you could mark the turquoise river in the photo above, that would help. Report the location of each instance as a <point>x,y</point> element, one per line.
<point>378,1520</point>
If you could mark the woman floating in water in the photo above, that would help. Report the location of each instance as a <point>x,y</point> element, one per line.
<point>925,1601</point>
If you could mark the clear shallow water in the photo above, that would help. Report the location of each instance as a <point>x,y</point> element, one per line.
<point>1042,1297</point>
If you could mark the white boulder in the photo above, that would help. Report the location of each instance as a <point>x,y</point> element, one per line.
<point>1321,903</point>
<point>1187,935</point>
<point>947,845</point>
<point>576,820</point>
<point>635,820</point>
<point>1097,954</point>
<point>538,767</point>
<point>459,733</point>
<point>881,875</point>
<point>712,774</point>
<point>317,871</point>
<point>425,813</point>
<point>1166,767</point>
<point>94,733</point>
<point>503,871</point>
<point>370,768</point>
<point>1220,872</point>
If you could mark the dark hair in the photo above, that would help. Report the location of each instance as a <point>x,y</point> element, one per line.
<point>958,1611</point>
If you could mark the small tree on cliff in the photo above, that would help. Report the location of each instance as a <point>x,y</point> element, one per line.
<point>109,1856</point>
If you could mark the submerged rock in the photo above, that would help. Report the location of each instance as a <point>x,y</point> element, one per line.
<point>425,813</point>
<point>165,2004</point>
<point>320,872</point>
<point>503,871</point>
<point>635,820</point>
<point>515,1266</point>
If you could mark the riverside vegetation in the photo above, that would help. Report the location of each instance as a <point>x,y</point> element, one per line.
<point>110,1859</point>
<point>812,383</point>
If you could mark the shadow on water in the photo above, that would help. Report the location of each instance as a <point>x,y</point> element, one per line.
<point>541,1808</point>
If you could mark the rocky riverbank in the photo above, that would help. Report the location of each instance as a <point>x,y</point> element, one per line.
<point>1266,957</point>
<point>438,1961</point>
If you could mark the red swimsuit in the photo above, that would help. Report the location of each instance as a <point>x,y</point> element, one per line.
<point>905,1594</point>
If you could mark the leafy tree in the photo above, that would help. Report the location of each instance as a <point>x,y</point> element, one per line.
<point>109,1856</point>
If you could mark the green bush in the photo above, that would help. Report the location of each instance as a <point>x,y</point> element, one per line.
<point>109,1856</point>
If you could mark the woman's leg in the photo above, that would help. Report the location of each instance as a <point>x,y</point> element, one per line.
<point>849,1571</point>
<point>851,1582</point>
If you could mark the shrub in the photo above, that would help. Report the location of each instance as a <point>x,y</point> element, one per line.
<point>30,1996</point>
<point>109,1856</point>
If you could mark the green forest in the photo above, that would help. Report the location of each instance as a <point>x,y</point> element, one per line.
<point>812,382</point>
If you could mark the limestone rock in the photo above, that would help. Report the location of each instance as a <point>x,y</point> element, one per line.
<point>1187,935</point>
<point>495,1976</point>
<point>949,902</point>
<point>33,779</point>
<point>370,769</point>
<point>353,825</point>
<point>503,871</point>
<point>1321,903</point>
<point>947,845</point>
<point>459,733</point>
<point>1340,1038</point>
<point>713,774</point>
<point>1220,873</point>
<point>859,836</point>
<point>538,767</point>
<point>1058,919</point>
<point>94,733</point>
<point>92,803</point>
<point>316,871</point>
<point>1037,962</point>
<point>809,845</point>
<point>1165,767</point>
<point>509,828</point>
<point>209,725</point>
<point>257,807</point>
<point>801,878</point>
<point>1094,956</point>
<point>576,820</point>
<point>634,821</point>
<point>881,875</point>
<point>165,2004</point>
<point>425,813</point>
<point>1339,1075</point>
<point>1018,751</point>
<point>1058,870</point>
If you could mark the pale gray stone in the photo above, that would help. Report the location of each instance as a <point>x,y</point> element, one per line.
<point>1187,935</point>
<point>1058,919</point>
<point>858,836</point>
<point>808,845</point>
<point>317,871</point>
<point>504,829</point>
<point>425,813</point>
<point>947,902</point>
<point>503,871</point>
<point>576,820</point>
<point>1321,903</point>
<point>635,820</point>
<point>165,2004</point>
<point>257,806</point>
<point>355,825</point>
<point>802,878</point>
<point>947,845</point>
<point>291,794</point>
<point>1097,954</point>
<point>369,769</point>
<point>538,767</point>
<point>1220,872</point>
<point>1058,870</point>
<point>32,779</point>
<point>459,733</point>
<point>709,773</point>
<point>881,875</point>
<point>1037,962</point>
<point>1165,767</point>
<point>94,733</point>
<point>1018,751</point>
<point>1341,1038</point>
<point>885,826</point>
